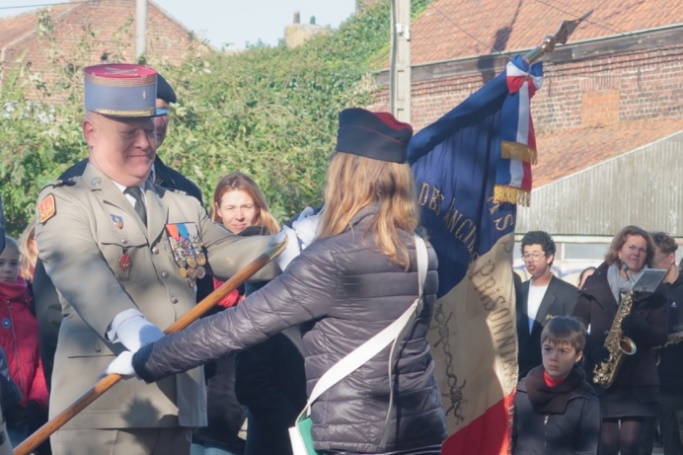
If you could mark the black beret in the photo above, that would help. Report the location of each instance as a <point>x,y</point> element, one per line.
<point>376,135</point>
<point>164,90</point>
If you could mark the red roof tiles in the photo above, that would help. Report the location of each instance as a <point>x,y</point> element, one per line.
<point>452,29</point>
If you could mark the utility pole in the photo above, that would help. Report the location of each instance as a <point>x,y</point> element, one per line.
<point>399,89</point>
<point>140,28</point>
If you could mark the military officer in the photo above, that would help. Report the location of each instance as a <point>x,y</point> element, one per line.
<point>124,255</point>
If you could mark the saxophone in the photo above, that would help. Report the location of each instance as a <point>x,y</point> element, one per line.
<point>617,344</point>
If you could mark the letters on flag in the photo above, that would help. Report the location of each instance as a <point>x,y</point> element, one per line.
<point>471,167</point>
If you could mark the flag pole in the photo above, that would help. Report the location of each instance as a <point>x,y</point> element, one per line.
<point>106,383</point>
<point>560,37</point>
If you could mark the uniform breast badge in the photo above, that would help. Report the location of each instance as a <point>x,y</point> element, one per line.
<point>117,220</point>
<point>47,208</point>
<point>187,249</point>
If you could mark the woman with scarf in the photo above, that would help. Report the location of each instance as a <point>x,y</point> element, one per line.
<point>634,395</point>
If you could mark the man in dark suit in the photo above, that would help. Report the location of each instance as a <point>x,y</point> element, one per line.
<point>48,308</point>
<point>542,297</point>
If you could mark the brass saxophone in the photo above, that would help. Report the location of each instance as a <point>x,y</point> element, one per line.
<point>617,344</point>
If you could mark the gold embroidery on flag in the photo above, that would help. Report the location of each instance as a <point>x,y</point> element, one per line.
<point>511,194</point>
<point>516,151</point>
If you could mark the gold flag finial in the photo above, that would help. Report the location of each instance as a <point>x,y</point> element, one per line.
<point>561,37</point>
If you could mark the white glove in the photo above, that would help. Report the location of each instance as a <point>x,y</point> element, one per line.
<point>292,249</point>
<point>122,364</point>
<point>131,329</point>
<point>306,226</point>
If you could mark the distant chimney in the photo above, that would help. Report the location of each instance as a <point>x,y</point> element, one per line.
<point>297,33</point>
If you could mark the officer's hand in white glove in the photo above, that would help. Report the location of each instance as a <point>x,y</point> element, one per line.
<point>292,249</point>
<point>306,227</point>
<point>131,329</point>
<point>122,364</point>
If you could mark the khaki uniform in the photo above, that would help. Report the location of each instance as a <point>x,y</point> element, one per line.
<point>82,245</point>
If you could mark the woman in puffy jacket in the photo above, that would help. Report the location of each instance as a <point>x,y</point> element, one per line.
<point>355,279</point>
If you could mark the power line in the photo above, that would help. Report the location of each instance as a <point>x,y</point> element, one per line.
<point>609,27</point>
<point>433,5</point>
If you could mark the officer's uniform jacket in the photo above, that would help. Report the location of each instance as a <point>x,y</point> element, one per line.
<point>82,245</point>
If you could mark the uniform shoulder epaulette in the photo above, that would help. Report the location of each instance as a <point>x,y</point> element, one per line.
<point>59,183</point>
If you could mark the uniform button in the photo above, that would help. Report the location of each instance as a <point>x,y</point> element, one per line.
<point>174,299</point>
<point>97,348</point>
<point>124,241</point>
<point>155,250</point>
<point>164,275</point>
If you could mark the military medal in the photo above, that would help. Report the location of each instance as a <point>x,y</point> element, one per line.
<point>124,261</point>
<point>201,259</point>
<point>186,247</point>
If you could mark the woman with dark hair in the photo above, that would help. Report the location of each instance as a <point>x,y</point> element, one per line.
<point>352,282</point>
<point>634,394</point>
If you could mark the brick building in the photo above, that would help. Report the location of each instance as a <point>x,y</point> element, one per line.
<point>606,118</point>
<point>81,33</point>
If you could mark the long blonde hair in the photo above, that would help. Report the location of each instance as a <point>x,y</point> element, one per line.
<point>28,249</point>
<point>355,182</point>
<point>236,181</point>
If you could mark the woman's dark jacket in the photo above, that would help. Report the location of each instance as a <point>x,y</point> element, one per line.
<point>349,291</point>
<point>597,307</point>
<point>271,382</point>
<point>560,420</point>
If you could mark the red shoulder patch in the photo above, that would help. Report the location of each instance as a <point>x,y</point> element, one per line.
<point>47,208</point>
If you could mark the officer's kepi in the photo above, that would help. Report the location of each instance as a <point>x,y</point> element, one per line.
<point>122,90</point>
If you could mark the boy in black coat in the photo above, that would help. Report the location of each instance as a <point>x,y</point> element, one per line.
<point>556,410</point>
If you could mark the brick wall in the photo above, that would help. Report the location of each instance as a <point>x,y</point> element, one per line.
<point>103,31</point>
<point>597,91</point>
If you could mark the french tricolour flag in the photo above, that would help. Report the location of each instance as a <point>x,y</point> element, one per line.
<point>472,166</point>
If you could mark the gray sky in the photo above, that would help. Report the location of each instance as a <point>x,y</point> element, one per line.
<point>232,21</point>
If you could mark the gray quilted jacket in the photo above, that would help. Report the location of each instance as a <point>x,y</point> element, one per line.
<point>343,291</point>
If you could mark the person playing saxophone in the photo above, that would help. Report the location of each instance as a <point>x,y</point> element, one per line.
<point>633,395</point>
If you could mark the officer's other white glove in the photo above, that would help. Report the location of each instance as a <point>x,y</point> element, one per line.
<point>131,329</point>
<point>292,249</point>
<point>122,364</point>
<point>306,227</point>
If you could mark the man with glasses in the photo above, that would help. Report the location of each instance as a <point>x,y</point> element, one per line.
<point>542,297</point>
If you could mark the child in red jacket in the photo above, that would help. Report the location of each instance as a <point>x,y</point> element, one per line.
<point>19,340</point>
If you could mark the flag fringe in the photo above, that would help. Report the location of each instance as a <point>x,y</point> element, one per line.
<point>505,193</point>
<point>517,151</point>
